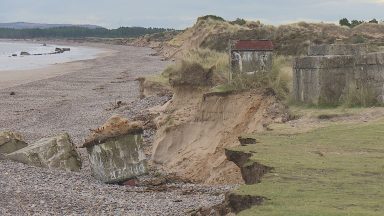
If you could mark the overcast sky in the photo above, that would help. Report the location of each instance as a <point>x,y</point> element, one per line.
<point>181,13</point>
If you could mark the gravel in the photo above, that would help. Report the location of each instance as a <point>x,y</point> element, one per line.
<point>74,103</point>
<point>27,190</point>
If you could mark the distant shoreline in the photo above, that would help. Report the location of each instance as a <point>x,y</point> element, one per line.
<point>11,78</point>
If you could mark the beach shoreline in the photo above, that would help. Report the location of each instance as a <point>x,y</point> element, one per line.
<point>53,99</point>
<point>11,78</point>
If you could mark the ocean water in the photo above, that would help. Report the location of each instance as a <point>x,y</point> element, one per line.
<point>7,62</point>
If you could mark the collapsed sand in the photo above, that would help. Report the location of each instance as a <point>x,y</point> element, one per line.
<point>194,129</point>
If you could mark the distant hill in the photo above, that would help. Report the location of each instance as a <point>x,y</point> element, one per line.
<point>25,25</point>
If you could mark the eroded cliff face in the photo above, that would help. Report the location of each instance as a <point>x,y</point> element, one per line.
<point>195,128</point>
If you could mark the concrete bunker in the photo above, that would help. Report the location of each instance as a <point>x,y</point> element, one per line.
<point>330,72</point>
<point>250,56</point>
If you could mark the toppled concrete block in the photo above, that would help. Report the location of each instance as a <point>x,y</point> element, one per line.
<point>11,142</point>
<point>54,153</point>
<point>115,151</point>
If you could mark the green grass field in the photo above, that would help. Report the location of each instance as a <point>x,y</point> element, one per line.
<point>333,170</point>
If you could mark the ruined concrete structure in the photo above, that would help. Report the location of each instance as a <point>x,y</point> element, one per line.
<point>115,151</point>
<point>251,56</point>
<point>56,152</point>
<point>329,72</point>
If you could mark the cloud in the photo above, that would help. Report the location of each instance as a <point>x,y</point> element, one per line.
<point>180,14</point>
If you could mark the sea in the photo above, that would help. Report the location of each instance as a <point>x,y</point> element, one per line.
<point>28,62</point>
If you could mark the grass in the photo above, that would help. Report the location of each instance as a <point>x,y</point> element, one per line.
<point>194,62</point>
<point>209,58</point>
<point>279,78</point>
<point>331,111</point>
<point>222,88</point>
<point>204,27</point>
<point>334,170</point>
<point>362,96</point>
<point>162,79</point>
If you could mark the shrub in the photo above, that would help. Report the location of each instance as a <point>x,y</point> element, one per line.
<point>355,23</point>
<point>200,67</point>
<point>277,79</point>
<point>374,21</point>
<point>187,73</point>
<point>239,21</point>
<point>356,39</point>
<point>208,59</point>
<point>345,22</point>
<point>213,17</point>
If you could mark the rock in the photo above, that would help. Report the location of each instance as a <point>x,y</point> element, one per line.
<point>11,142</point>
<point>59,50</point>
<point>115,151</point>
<point>251,171</point>
<point>238,202</point>
<point>53,153</point>
<point>24,53</point>
<point>247,141</point>
<point>12,93</point>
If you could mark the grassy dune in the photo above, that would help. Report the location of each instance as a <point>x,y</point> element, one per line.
<point>333,170</point>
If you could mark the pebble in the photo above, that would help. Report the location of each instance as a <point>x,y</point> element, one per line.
<point>75,103</point>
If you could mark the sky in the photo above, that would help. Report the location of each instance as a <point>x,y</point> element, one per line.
<point>180,14</point>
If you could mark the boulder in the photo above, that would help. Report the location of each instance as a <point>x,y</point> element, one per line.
<point>11,142</point>
<point>115,151</point>
<point>54,153</point>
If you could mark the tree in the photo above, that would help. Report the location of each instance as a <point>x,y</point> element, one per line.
<point>355,23</point>
<point>374,21</point>
<point>239,21</point>
<point>345,22</point>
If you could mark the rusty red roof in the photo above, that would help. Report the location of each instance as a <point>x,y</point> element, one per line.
<point>253,45</point>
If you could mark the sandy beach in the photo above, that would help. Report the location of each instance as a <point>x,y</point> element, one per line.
<point>75,97</point>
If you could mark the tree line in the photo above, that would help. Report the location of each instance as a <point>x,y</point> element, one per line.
<point>79,32</point>
<point>353,23</point>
